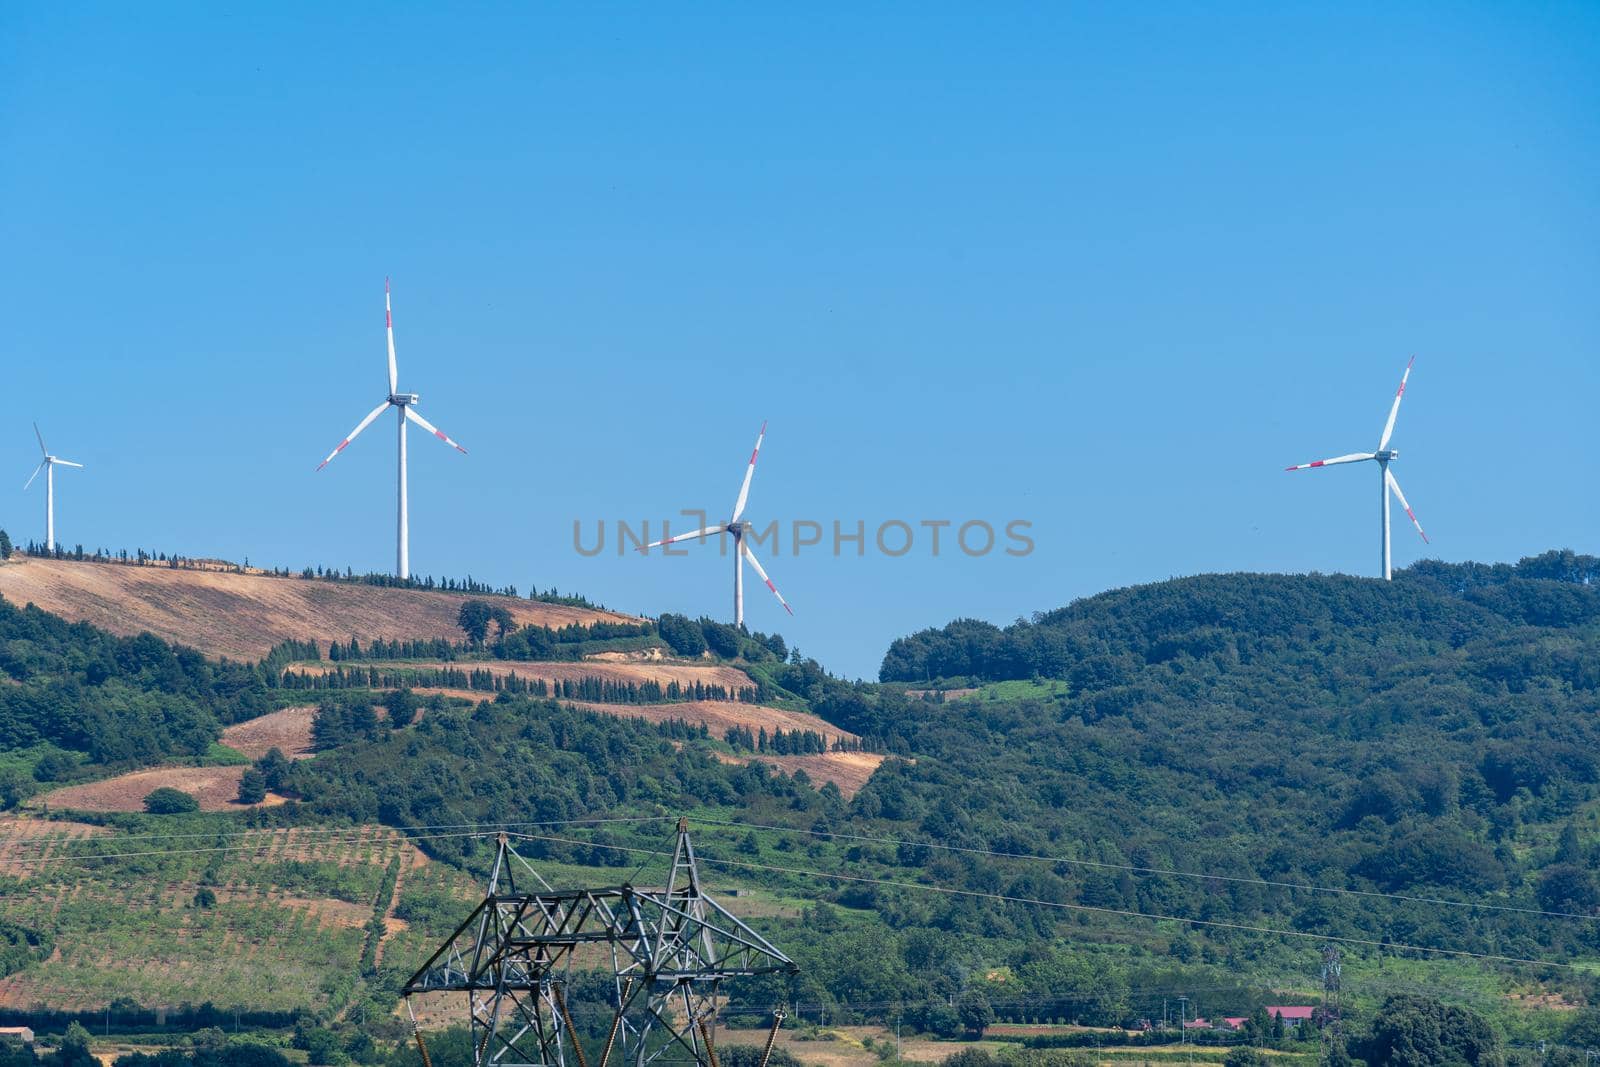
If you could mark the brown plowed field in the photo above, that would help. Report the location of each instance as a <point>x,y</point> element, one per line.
<point>287,730</point>
<point>243,615</point>
<point>847,770</point>
<point>214,787</point>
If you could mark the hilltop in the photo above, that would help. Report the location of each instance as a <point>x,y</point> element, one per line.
<point>241,615</point>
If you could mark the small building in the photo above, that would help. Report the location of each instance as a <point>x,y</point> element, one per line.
<point>1236,1022</point>
<point>1293,1015</point>
<point>23,1034</point>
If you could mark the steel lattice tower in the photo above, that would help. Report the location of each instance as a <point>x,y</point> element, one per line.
<point>668,950</point>
<point>1332,1008</point>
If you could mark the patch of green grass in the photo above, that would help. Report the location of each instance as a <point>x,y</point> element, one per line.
<point>218,754</point>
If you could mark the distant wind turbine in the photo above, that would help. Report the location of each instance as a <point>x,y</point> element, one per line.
<point>738,529</point>
<point>48,464</point>
<point>404,404</point>
<point>1386,481</point>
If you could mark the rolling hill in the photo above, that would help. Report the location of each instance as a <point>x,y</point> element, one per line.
<point>243,616</point>
<point>1190,787</point>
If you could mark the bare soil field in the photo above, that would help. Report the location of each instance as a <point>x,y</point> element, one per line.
<point>287,730</point>
<point>214,787</point>
<point>847,770</point>
<point>243,615</point>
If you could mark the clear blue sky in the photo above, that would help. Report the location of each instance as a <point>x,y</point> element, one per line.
<point>1107,268</point>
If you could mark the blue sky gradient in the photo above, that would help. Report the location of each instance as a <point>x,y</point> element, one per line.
<point>1104,268</point>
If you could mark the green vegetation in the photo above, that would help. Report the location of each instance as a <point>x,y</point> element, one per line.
<point>1129,808</point>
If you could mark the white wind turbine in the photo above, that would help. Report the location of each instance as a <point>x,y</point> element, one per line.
<point>404,405</point>
<point>48,464</point>
<point>1386,480</point>
<point>738,529</point>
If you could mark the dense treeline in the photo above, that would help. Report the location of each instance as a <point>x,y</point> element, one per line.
<point>523,759</point>
<point>1098,642</point>
<point>481,679</point>
<point>115,699</point>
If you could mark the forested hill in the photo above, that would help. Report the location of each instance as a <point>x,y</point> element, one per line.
<point>1439,731</point>
<point>1103,641</point>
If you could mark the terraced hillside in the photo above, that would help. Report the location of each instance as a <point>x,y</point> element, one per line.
<point>243,615</point>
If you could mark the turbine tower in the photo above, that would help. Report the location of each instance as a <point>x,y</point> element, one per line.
<point>405,410</point>
<point>741,551</point>
<point>1386,481</point>
<point>48,464</point>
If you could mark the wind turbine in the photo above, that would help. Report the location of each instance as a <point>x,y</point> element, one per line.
<point>1386,480</point>
<point>738,529</point>
<point>404,405</point>
<point>48,464</point>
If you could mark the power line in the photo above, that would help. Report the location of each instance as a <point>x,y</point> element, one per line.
<point>1084,908</point>
<point>1134,869</point>
<point>45,842</point>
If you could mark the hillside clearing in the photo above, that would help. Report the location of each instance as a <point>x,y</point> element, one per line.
<point>214,787</point>
<point>242,616</point>
<point>288,730</point>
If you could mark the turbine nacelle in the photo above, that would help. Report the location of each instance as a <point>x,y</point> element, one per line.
<point>401,400</point>
<point>1386,455</point>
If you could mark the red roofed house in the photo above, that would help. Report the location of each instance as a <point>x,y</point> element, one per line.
<point>1236,1022</point>
<point>1295,1013</point>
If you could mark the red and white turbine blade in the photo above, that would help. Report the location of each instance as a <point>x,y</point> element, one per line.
<point>411,413</point>
<point>1354,457</point>
<point>749,472</point>
<point>1388,476</point>
<point>42,465</point>
<point>751,556</point>
<point>351,436</point>
<point>1394,410</point>
<point>388,328</point>
<point>707,532</point>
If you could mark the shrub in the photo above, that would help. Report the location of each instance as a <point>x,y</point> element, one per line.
<point>169,801</point>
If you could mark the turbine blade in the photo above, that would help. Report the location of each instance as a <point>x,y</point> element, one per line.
<point>388,327</point>
<point>707,532</point>
<point>43,451</point>
<point>1388,476</point>
<point>1394,410</point>
<point>42,465</point>
<point>1354,457</point>
<point>751,556</point>
<point>351,436</point>
<point>68,463</point>
<point>411,413</point>
<point>744,490</point>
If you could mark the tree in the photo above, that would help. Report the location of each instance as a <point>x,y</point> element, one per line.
<point>205,898</point>
<point>5,545</point>
<point>274,768</point>
<point>474,620</point>
<point>682,635</point>
<point>252,787</point>
<point>1418,1031</point>
<point>1244,1056</point>
<point>503,622</point>
<point>977,1014</point>
<point>169,801</point>
<point>402,705</point>
<point>74,1050</point>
